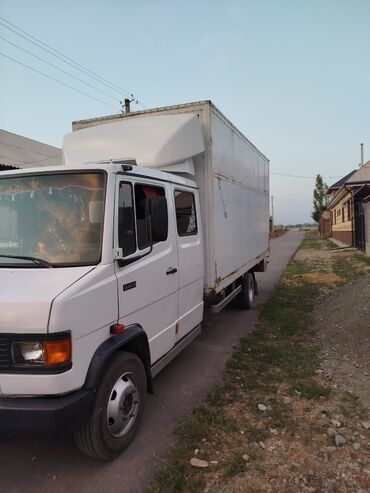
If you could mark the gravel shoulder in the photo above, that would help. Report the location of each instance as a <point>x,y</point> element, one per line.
<point>45,463</point>
<point>342,321</point>
<point>291,412</point>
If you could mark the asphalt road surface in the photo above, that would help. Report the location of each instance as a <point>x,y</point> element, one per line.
<point>44,464</point>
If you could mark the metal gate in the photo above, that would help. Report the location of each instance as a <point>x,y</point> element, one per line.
<point>360,240</point>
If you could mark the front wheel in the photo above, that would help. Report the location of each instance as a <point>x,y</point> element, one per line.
<point>246,296</point>
<point>117,409</point>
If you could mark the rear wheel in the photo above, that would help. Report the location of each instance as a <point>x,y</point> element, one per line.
<point>246,295</point>
<point>117,409</point>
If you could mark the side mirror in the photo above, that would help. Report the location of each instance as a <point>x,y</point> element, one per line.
<point>159,218</point>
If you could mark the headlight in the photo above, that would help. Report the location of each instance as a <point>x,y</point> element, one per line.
<point>42,353</point>
<point>29,353</point>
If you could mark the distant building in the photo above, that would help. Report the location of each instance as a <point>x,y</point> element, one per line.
<point>333,189</point>
<point>347,199</point>
<point>341,214</point>
<point>366,202</point>
<point>359,184</point>
<point>20,152</point>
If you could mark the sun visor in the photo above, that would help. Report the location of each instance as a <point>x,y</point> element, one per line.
<point>154,141</point>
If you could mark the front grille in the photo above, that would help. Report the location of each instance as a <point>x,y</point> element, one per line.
<point>5,354</point>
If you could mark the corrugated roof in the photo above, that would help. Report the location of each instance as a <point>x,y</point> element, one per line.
<point>21,152</point>
<point>341,182</point>
<point>338,196</point>
<point>361,176</point>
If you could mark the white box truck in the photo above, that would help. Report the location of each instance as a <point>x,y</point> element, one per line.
<point>106,262</point>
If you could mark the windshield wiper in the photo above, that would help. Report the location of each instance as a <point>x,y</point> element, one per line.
<point>35,260</point>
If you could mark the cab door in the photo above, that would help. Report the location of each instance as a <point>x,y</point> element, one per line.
<point>147,286</point>
<point>190,259</point>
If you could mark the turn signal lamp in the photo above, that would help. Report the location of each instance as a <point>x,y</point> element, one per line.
<point>58,352</point>
<point>43,353</point>
<point>117,329</point>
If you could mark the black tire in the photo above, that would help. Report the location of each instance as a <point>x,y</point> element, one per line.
<point>123,385</point>
<point>246,296</point>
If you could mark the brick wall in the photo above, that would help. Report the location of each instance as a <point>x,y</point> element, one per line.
<point>343,236</point>
<point>367,227</point>
<point>324,227</point>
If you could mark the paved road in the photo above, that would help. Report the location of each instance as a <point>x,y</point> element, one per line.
<point>43,464</point>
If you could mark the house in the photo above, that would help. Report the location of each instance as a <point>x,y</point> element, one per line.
<point>347,207</point>
<point>333,189</point>
<point>366,202</point>
<point>20,152</point>
<point>340,210</point>
<point>359,184</point>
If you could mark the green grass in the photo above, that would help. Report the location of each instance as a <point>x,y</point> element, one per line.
<point>349,267</point>
<point>313,242</point>
<point>234,465</point>
<point>282,350</point>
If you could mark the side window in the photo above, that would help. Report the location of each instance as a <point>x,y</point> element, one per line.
<point>185,213</point>
<point>133,216</point>
<point>126,220</point>
<point>142,196</point>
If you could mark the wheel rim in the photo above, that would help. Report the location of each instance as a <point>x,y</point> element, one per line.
<point>123,405</point>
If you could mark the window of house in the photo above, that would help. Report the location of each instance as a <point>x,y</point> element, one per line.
<point>133,216</point>
<point>185,213</point>
<point>342,214</point>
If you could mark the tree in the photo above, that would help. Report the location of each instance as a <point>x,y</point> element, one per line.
<point>320,199</point>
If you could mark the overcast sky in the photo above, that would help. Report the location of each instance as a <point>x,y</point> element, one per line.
<point>293,76</point>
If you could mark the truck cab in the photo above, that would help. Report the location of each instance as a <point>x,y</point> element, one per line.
<point>105,263</point>
<point>102,274</point>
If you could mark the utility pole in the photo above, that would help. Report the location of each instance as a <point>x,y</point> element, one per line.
<point>127,106</point>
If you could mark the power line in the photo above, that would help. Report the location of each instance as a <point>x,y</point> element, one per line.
<point>300,176</point>
<point>58,81</point>
<point>52,51</point>
<point>290,203</point>
<point>58,68</point>
<point>141,104</point>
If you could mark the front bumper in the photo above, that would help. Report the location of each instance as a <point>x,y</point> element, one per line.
<point>61,413</point>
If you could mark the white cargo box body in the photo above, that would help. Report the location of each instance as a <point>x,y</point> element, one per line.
<point>233,180</point>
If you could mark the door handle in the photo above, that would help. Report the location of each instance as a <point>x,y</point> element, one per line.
<point>171,270</point>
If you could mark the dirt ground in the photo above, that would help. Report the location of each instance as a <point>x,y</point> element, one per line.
<point>342,320</point>
<point>292,412</point>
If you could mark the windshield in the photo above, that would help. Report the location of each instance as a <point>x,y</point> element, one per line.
<point>54,217</point>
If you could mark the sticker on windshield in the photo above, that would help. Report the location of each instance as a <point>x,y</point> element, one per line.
<point>9,244</point>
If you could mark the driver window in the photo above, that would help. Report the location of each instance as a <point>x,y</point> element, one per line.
<point>133,214</point>
<point>126,220</point>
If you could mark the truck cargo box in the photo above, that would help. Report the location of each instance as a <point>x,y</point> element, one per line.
<point>233,180</point>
